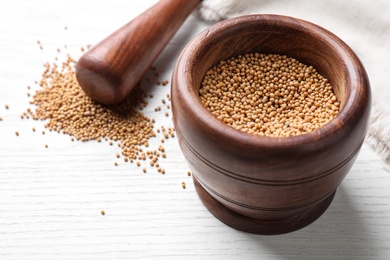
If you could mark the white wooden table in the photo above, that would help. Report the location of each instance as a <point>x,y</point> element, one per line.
<point>51,198</point>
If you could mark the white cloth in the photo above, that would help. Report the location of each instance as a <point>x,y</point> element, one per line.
<point>363,24</point>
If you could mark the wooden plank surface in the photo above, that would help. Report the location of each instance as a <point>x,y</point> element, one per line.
<point>51,198</point>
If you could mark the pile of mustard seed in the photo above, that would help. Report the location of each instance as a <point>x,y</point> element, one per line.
<point>268,95</point>
<point>67,109</point>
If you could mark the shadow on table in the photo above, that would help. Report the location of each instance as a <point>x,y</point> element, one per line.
<point>341,231</point>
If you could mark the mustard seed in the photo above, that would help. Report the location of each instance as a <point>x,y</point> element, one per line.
<point>268,95</point>
<point>102,212</point>
<point>68,110</point>
<point>17,133</point>
<point>165,82</point>
<point>183,185</point>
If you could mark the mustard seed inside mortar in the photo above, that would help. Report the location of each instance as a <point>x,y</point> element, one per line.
<point>268,95</point>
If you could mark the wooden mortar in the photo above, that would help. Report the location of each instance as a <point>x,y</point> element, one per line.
<point>260,184</point>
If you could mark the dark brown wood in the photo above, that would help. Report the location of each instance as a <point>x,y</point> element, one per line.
<point>262,226</point>
<point>112,68</point>
<point>269,179</point>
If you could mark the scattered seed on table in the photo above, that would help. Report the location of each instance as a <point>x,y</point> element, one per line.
<point>46,146</point>
<point>115,163</point>
<point>6,106</point>
<point>189,173</point>
<point>103,212</point>
<point>68,110</point>
<point>165,82</point>
<point>183,185</point>
<point>17,133</point>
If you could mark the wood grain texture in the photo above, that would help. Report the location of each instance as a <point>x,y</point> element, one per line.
<point>283,182</point>
<point>113,67</point>
<point>50,199</point>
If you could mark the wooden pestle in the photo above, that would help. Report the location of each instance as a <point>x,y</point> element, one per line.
<point>113,67</point>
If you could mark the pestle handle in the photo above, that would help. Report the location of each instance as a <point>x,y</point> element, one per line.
<point>112,68</point>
